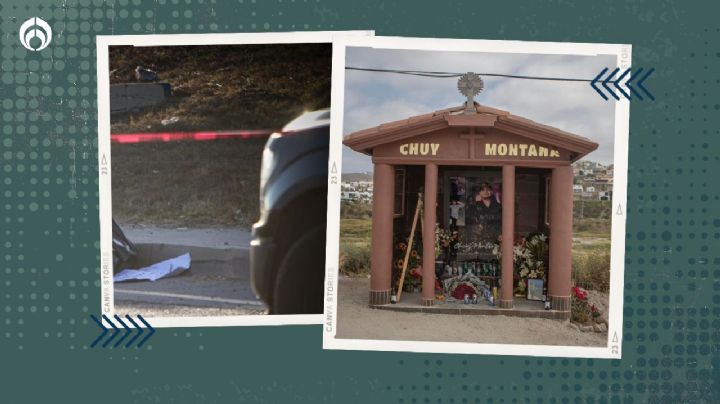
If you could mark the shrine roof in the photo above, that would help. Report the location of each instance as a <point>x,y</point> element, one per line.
<point>366,139</point>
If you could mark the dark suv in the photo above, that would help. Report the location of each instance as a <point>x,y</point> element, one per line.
<point>287,252</point>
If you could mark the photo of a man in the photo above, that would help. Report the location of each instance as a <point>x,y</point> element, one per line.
<point>483,216</point>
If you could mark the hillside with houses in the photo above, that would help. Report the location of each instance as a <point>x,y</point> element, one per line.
<point>593,181</point>
<point>356,187</point>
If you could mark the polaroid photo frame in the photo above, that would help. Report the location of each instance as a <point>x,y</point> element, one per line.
<point>622,53</point>
<point>103,44</point>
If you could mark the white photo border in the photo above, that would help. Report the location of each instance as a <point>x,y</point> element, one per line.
<point>103,43</point>
<point>613,349</point>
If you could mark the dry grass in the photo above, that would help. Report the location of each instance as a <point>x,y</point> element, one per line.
<point>591,269</point>
<point>591,227</point>
<point>355,230</point>
<point>209,183</point>
<point>591,256</point>
<point>226,87</point>
<point>187,183</point>
<point>355,237</point>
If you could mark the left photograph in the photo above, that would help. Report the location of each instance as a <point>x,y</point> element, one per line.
<point>218,164</point>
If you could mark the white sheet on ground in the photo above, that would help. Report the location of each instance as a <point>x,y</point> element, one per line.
<point>164,269</point>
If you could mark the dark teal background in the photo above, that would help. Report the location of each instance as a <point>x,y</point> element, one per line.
<point>49,257</point>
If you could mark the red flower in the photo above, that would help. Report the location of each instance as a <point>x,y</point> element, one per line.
<point>593,308</point>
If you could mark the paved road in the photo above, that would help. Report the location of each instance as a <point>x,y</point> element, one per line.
<point>202,291</point>
<point>151,310</point>
<point>211,237</point>
<point>184,294</point>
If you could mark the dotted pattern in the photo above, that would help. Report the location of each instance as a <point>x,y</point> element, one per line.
<point>672,289</point>
<point>49,252</point>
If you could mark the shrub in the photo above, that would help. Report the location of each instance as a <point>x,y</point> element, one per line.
<point>580,311</point>
<point>355,210</point>
<point>354,259</point>
<point>591,270</point>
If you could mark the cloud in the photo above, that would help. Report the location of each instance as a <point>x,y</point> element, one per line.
<point>374,98</point>
<point>354,162</point>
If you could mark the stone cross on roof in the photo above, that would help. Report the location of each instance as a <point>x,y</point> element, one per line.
<point>470,84</point>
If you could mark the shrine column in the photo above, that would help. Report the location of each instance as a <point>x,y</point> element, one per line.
<point>382,234</point>
<point>428,235</point>
<point>561,211</point>
<point>508,236</point>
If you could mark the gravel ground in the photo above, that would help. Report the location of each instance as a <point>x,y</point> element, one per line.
<point>150,310</point>
<point>357,321</point>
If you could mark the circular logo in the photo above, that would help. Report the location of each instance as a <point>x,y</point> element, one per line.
<point>35,34</point>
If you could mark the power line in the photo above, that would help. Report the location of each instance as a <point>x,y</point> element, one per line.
<point>444,75</point>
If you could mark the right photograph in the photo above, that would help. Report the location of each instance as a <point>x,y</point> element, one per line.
<point>478,195</point>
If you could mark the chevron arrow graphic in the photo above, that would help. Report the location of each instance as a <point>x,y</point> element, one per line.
<point>127,332</point>
<point>595,81</point>
<point>598,82</point>
<point>640,83</point>
<point>137,327</point>
<point>117,330</point>
<point>629,86</point>
<point>605,84</point>
<point>102,335</point>
<point>615,83</point>
<point>152,331</point>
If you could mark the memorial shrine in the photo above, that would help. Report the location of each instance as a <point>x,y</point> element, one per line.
<point>489,184</point>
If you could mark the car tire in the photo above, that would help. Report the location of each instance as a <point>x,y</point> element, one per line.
<point>300,281</point>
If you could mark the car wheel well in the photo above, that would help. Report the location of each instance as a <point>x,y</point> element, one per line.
<point>303,212</point>
<point>306,211</point>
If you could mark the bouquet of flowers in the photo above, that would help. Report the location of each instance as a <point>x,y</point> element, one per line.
<point>529,257</point>
<point>413,275</point>
<point>445,240</point>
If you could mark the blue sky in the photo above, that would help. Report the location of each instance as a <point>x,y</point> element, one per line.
<point>375,98</point>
